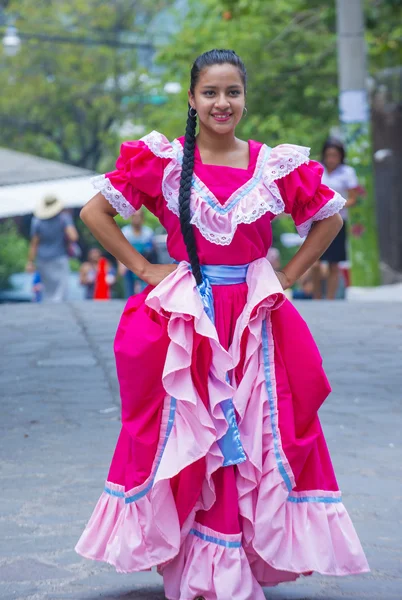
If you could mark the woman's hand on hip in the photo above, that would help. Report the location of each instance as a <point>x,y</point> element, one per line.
<point>283,279</point>
<point>154,274</point>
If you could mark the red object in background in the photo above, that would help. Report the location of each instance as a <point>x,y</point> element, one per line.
<point>345,271</point>
<point>357,230</point>
<point>102,289</point>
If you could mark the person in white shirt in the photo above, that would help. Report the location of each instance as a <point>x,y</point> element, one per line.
<point>341,178</point>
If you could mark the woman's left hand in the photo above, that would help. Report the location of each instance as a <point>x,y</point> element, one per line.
<point>283,279</point>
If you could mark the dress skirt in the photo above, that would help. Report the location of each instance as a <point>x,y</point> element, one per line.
<point>221,477</point>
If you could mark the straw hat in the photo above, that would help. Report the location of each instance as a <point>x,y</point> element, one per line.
<point>48,207</point>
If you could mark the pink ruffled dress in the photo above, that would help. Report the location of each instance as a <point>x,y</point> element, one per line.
<point>221,476</point>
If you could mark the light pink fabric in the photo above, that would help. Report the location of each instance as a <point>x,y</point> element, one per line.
<point>208,569</point>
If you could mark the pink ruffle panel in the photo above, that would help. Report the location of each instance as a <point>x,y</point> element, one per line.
<point>212,565</point>
<point>284,533</point>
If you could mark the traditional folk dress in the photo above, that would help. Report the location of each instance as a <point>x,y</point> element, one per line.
<point>221,477</point>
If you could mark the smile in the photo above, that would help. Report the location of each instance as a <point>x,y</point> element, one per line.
<point>222,117</point>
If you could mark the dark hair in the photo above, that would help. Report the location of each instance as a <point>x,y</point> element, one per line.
<point>208,59</point>
<point>337,145</point>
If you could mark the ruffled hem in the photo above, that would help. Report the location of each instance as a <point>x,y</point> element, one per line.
<point>213,565</point>
<point>133,536</point>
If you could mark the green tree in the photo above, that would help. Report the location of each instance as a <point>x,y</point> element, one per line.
<point>13,251</point>
<point>77,77</point>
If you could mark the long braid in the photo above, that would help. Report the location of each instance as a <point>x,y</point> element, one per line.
<point>185,194</point>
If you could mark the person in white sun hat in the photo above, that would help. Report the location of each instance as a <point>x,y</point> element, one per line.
<point>52,231</point>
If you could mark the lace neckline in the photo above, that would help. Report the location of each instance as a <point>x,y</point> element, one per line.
<point>253,181</point>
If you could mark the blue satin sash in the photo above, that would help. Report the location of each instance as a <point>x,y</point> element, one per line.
<point>230,444</point>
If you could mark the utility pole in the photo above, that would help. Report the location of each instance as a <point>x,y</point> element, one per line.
<point>354,112</point>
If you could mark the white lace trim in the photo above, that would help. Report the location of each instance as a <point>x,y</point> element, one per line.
<point>331,208</point>
<point>159,145</point>
<point>113,196</point>
<point>284,159</point>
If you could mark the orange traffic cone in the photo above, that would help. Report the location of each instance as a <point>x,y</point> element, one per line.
<point>102,289</point>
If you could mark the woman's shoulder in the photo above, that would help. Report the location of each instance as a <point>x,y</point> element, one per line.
<point>282,159</point>
<point>155,142</point>
<point>346,169</point>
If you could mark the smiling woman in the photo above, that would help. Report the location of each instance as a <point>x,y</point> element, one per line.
<point>221,476</point>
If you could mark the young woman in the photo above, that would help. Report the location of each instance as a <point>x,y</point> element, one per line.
<point>221,476</point>
<point>341,178</point>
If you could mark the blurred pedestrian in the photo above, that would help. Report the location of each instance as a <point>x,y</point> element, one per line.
<point>142,238</point>
<point>343,179</point>
<point>52,232</point>
<point>89,272</point>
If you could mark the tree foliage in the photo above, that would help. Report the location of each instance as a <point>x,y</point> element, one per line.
<point>68,101</point>
<point>70,88</point>
<point>13,251</point>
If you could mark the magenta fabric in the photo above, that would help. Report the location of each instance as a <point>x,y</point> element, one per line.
<point>303,192</point>
<point>221,532</point>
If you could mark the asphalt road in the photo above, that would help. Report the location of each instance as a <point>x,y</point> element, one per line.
<point>60,420</point>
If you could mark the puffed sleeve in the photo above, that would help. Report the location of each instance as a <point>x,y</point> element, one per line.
<point>138,176</point>
<point>305,197</point>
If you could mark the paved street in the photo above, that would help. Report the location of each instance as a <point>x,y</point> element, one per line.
<point>60,420</point>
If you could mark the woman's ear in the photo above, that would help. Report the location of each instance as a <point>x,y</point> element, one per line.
<point>190,99</point>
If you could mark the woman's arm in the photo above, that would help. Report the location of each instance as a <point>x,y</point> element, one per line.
<point>352,197</point>
<point>32,251</point>
<point>98,215</point>
<point>71,233</point>
<point>321,235</point>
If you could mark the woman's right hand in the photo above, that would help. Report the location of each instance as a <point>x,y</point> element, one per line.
<point>30,267</point>
<point>154,274</point>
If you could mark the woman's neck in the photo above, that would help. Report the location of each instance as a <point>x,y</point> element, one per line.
<point>216,143</point>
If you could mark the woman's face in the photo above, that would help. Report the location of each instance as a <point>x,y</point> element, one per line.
<point>219,98</point>
<point>332,158</point>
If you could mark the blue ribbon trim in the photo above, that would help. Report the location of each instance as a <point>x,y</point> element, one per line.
<point>148,487</point>
<point>114,492</point>
<point>275,431</point>
<point>271,403</point>
<point>214,540</point>
<point>324,499</point>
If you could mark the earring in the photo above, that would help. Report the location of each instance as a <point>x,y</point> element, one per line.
<point>245,111</point>
<point>192,112</point>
